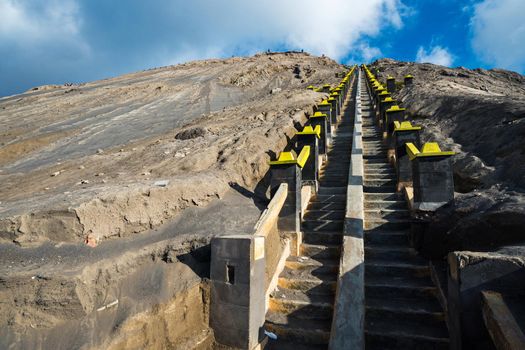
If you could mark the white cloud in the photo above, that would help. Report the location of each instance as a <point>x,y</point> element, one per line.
<point>498,32</point>
<point>437,55</point>
<point>322,27</point>
<point>81,40</point>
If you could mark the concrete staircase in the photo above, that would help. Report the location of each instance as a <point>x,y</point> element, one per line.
<point>402,307</point>
<point>302,306</point>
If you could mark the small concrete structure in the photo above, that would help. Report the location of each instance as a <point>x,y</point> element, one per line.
<point>384,105</point>
<point>237,309</point>
<point>409,80</point>
<point>471,273</point>
<point>309,137</point>
<point>404,133</point>
<point>325,107</point>
<point>394,113</point>
<point>333,100</point>
<point>321,120</point>
<point>391,84</point>
<point>432,176</point>
<point>287,169</point>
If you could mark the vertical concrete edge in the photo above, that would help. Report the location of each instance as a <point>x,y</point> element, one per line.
<point>349,308</point>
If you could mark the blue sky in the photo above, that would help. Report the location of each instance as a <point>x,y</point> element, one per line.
<point>57,41</point>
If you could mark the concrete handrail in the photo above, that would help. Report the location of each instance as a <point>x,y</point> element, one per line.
<point>275,252</point>
<point>349,308</point>
<point>270,215</point>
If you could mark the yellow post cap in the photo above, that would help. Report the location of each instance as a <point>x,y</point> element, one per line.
<point>384,93</point>
<point>409,76</point>
<point>290,157</point>
<point>325,103</point>
<point>310,87</point>
<point>429,149</point>
<point>319,115</point>
<point>309,130</point>
<point>331,99</point>
<point>327,86</point>
<point>390,78</point>
<point>405,126</point>
<point>395,108</point>
<point>303,156</point>
<point>388,99</point>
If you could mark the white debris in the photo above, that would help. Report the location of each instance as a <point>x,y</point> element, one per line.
<point>179,155</point>
<point>81,167</point>
<point>100,174</point>
<point>84,182</point>
<point>56,173</point>
<point>275,91</point>
<point>100,151</point>
<point>107,306</point>
<point>146,173</point>
<point>162,183</point>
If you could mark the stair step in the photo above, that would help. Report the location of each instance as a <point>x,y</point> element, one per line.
<point>329,198</point>
<point>322,237</point>
<point>392,253</point>
<point>389,182</point>
<point>327,206</point>
<point>323,225</point>
<point>383,196</point>
<point>380,237</point>
<point>379,176</point>
<point>324,215</point>
<point>391,224</point>
<point>386,214</point>
<point>412,324</point>
<point>380,204</point>
<point>320,251</point>
<point>308,305</point>
<point>332,190</point>
<point>395,270</point>
<point>298,330</point>
<point>396,339</point>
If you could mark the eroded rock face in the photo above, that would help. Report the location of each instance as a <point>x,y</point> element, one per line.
<point>480,114</point>
<point>478,221</point>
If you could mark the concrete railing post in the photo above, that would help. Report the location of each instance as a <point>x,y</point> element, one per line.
<point>384,105</point>
<point>391,84</point>
<point>433,181</point>
<point>404,133</point>
<point>287,169</point>
<point>409,80</point>
<point>310,137</point>
<point>334,101</point>
<point>393,114</point>
<point>320,119</point>
<point>325,107</point>
<point>238,291</point>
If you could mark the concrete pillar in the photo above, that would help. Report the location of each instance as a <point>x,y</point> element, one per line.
<point>383,106</point>
<point>335,109</point>
<point>310,137</point>
<point>287,170</point>
<point>404,133</point>
<point>409,80</point>
<point>394,113</point>
<point>377,96</point>
<point>432,176</point>
<point>237,308</point>
<point>391,84</point>
<point>320,119</point>
<point>325,107</point>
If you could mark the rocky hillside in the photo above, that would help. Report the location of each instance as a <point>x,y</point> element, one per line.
<point>121,156</point>
<point>480,114</point>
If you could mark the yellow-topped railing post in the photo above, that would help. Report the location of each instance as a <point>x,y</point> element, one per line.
<point>308,138</point>
<point>325,107</point>
<point>321,120</point>
<point>391,84</point>
<point>394,113</point>
<point>287,169</point>
<point>404,132</point>
<point>409,80</point>
<point>432,176</point>
<point>383,106</point>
